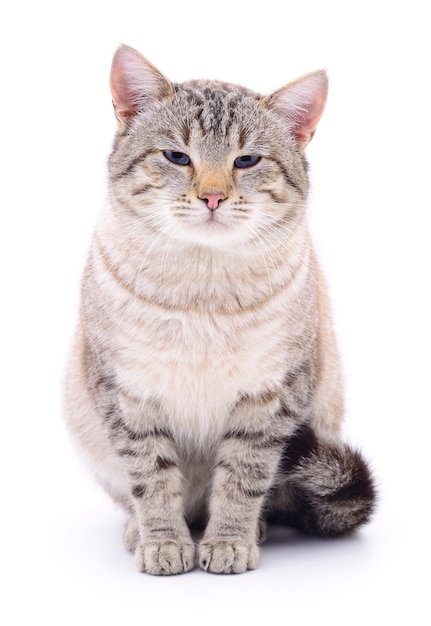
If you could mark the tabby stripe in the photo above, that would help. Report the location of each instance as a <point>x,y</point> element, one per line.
<point>304,368</point>
<point>242,138</point>
<point>274,197</point>
<point>132,435</point>
<point>155,433</point>
<point>259,439</point>
<point>253,473</point>
<point>162,463</point>
<point>287,177</point>
<point>254,493</point>
<point>165,531</point>
<point>116,424</point>
<point>127,452</point>
<point>135,475</point>
<point>185,132</point>
<point>144,189</point>
<point>131,166</point>
<point>175,307</point>
<point>138,491</point>
<point>228,530</point>
<point>265,397</point>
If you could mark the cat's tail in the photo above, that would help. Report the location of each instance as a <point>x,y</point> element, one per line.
<point>324,488</point>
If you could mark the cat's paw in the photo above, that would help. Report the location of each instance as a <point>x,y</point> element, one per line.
<point>228,556</point>
<point>165,557</point>
<point>131,534</point>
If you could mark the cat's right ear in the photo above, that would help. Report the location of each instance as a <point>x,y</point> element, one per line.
<point>135,81</point>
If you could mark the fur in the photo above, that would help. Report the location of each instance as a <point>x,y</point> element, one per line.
<point>204,384</point>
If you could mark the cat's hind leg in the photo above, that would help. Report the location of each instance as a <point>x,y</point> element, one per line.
<point>131,534</point>
<point>323,489</point>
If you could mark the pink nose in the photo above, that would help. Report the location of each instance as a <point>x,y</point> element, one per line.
<point>212,199</point>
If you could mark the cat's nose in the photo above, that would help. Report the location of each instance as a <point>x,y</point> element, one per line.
<point>212,199</point>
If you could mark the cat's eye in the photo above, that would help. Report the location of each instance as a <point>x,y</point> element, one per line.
<point>179,158</point>
<point>247,160</point>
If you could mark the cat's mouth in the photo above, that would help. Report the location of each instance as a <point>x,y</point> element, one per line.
<point>213,218</point>
<point>216,222</point>
<point>210,229</point>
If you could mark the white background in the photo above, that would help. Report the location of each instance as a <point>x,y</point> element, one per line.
<point>62,560</point>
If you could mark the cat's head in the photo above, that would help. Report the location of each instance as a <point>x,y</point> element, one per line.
<point>208,162</point>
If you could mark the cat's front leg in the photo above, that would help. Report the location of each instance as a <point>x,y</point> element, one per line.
<point>247,463</point>
<point>158,533</point>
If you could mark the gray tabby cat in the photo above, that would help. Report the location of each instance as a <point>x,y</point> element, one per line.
<point>204,385</point>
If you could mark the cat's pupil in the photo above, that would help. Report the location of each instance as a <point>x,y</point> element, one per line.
<point>247,160</point>
<point>179,158</point>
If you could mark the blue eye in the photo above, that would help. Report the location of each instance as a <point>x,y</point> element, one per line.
<point>246,161</point>
<point>179,158</point>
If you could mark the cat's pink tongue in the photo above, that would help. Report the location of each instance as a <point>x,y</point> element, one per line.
<point>213,200</point>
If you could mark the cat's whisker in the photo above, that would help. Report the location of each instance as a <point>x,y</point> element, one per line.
<point>290,245</point>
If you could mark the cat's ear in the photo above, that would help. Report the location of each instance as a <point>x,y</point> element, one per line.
<point>134,80</point>
<point>301,104</point>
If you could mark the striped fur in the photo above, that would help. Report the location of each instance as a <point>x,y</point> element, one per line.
<point>203,386</point>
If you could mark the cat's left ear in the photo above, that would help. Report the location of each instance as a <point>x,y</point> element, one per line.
<point>301,104</point>
<point>134,83</point>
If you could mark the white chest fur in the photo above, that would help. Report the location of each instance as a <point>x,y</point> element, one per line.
<point>173,339</point>
<point>197,364</point>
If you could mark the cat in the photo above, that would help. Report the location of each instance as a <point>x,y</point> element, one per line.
<point>203,385</point>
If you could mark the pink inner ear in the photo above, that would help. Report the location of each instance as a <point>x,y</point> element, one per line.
<point>301,104</point>
<point>307,120</point>
<point>123,95</point>
<point>133,81</point>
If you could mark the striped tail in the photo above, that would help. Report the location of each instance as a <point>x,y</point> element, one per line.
<point>324,489</point>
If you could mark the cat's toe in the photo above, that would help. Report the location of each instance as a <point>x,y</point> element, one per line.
<point>165,557</point>
<point>221,556</point>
